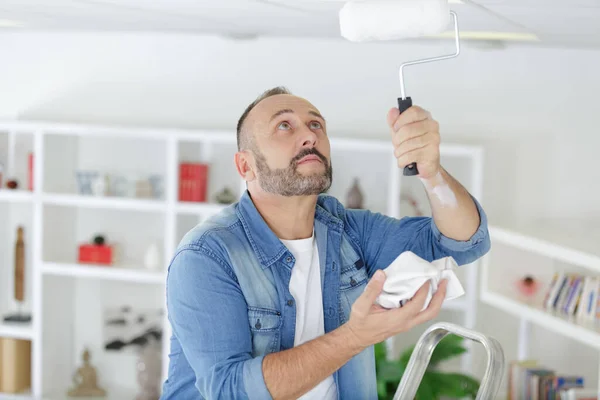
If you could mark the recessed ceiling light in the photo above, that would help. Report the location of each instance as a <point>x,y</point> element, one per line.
<point>7,23</point>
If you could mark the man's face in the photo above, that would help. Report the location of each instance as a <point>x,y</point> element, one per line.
<point>290,146</point>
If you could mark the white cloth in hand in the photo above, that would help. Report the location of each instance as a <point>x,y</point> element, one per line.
<point>408,272</point>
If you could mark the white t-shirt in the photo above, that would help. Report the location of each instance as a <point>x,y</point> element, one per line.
<point>305,287</point>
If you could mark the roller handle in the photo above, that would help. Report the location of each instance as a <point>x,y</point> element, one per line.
<point>403,105</point>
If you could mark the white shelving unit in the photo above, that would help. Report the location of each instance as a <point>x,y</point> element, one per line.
<point>57,219</point>
<point>542,247</point>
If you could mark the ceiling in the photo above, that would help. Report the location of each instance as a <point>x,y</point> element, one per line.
<point>570,23</point>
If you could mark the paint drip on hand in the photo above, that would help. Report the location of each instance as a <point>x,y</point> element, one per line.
<point>441,190</point>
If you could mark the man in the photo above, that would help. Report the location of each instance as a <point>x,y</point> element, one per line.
<point>274,297</point>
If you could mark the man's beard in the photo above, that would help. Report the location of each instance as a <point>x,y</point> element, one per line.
<point>288,181</point>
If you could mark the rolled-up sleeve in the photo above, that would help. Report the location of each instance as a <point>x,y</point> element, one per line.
<point>477,245</point>
<point>383,238</point>
<point>209,317</point>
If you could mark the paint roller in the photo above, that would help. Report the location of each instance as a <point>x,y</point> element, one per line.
<point>379,20</point>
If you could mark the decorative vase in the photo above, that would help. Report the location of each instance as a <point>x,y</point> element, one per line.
<point>149,366</point>
<point>527,288</point>
<point>354,198</point>
<point>152,257</point>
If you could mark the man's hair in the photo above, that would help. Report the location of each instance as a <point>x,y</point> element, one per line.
<point>243,140</point>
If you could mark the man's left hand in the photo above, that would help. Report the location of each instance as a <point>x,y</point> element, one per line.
<point>416,138</point>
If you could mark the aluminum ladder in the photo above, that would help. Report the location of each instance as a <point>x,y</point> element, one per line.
<point>421,355</point>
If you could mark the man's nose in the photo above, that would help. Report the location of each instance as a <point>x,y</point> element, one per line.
<point>309,138</point>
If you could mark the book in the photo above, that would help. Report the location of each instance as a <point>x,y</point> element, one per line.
<point>529,380</point>
<point>573,295</point>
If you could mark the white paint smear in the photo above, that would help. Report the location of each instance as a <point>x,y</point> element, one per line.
<point>442,191</point>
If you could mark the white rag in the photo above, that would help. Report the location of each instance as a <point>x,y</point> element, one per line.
<point>408,272</point>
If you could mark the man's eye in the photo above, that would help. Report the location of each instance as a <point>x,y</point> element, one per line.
<point>284,125</point>
<point>315,125</point>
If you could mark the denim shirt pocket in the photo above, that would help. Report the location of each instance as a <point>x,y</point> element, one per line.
<point>353,279</point>
<point>265,327</point>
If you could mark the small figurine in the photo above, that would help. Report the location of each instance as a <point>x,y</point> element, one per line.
<point>152,257</point>
<point>12,184</point>
<point>527,286</point>
<point>85,182</point>
<point>354,198</point>
<point>156,183</point>
<point>99,186</point>
<point>225,196</point>
<point>85,379</point>
<point>143,188</point>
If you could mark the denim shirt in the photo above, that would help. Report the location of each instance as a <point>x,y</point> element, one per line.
<point>229,303</point>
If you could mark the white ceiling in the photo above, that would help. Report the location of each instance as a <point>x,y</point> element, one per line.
<point>571,23</point>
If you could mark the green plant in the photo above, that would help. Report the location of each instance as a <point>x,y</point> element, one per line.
<point>435,383</point>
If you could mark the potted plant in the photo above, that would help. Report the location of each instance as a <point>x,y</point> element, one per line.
<point>435,384</point>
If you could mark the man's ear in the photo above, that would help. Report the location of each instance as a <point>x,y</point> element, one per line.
<point>244,165</point>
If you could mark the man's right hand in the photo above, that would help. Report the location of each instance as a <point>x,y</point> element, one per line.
<point>370,323</point>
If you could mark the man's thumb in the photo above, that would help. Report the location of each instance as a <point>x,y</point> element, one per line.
<point>373,289</point>
<point>392,116</point>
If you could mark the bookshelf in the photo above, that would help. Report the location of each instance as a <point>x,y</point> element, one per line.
<point>57,218</point>
<point>542,248</point>
<point>16,331</point>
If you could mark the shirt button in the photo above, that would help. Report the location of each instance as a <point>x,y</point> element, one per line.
<point>290,302</point>
<point>333,266</point>
<point>288,259</point>
<point>352,282</point>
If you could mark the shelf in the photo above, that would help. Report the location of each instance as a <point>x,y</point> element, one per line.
<point>110,395</point>
<point>114,203</point>
<point>16,330</point>
<point>16,396</point>
<point>16,195</point>
<point>572,242</point>
<point>134,275</point>
<point>586,333</point>
<point>28,396</point>
<point>199,208</point>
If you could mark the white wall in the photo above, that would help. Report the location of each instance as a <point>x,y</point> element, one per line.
<point>542,99</point>
<point>533,108</point>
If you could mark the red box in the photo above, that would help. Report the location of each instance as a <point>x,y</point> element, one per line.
<point>193,181</point>
<point>95,254</point>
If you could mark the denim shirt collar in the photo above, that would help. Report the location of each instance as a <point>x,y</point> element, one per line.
<point>265,243</point>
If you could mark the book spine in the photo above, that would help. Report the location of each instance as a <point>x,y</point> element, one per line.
<point>30,162</point>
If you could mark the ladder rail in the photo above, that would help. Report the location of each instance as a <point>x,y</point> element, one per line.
<point>421,356</point>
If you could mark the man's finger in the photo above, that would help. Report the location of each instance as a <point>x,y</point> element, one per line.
<point>365,301</point>
<point>415,305</point>
<point>415,130</point>
<point>434,306</point>
<point>392,115</point>
<point>413,114</point>
<point>416,143</point>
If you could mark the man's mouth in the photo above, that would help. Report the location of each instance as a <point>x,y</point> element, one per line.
<point>309,158</point>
